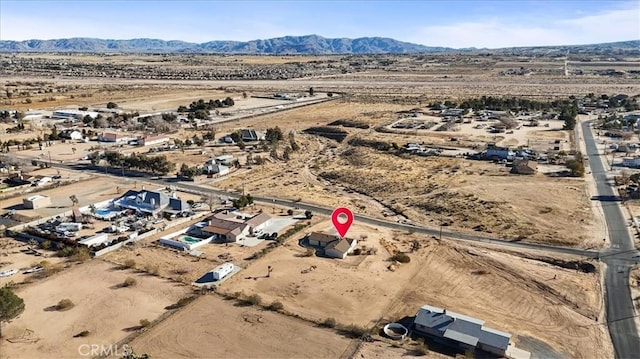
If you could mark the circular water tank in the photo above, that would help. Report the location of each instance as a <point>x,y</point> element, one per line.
<point>395,331</point>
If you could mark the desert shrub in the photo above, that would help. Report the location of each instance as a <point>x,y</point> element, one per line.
<point>401,257</point>
<point>329,323</point>
<point>82,334</point>
<point>310,252</point>
<point>182,270</point>
<point>130,263</point>
<point>253,299</point>
<point>421,347</point>
<point>45,245</point>
<point>357,252</point>
<point>129,282</point>
<point>480,272</point>
<point>152,269</point>
<point>355,331</point>
<point>184,301</point>
<point>64,304</point>
<point>145,323</point>
<point>276,306</point>
<point>50,270</point>
<point>80,254</point>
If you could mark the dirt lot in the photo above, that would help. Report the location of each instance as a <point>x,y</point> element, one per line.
<point>109,312</point>
<point>212,327</point>
<point>13,255</point>
<point>96,189</point>
<point>166,262</point>
<point>552,304</point>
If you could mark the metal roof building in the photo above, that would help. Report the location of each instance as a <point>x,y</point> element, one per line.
<point>460,330</point>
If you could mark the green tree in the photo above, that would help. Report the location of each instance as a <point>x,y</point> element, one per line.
<point>274,135</point>
<point>568,115</point>
<point>576,165</point>
<point>311,91</point>
<point>112,105</point>
<point>74,200</point>
<point>11,306</point>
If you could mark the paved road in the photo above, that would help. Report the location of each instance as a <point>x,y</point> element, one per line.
<point>118,172</point>
<point>620,313</point>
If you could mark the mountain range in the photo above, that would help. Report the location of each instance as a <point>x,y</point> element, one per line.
<point>309,44</point>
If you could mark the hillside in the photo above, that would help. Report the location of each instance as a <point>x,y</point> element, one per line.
<point>309,44</point>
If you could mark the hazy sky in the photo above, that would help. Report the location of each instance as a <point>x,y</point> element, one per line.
<point>471,23</point>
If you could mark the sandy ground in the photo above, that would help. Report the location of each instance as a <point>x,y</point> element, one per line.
<point>107,311</point>
<point>169,263</point>
<point>87,191</point>
<point>13,257</point>
<point>214,328</point>
<point>560,311</point>
<point>383,350</point>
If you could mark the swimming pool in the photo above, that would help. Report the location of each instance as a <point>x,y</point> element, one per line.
<point>188,239</point>
<point>106,213</point>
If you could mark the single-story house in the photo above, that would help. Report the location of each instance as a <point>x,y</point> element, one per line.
<point>340,248</point>
<point>251,135</point>
<point>108,137</point>
<point>19,179</point>
<point>524,167</point>
<point>333,246</point>
<point>73,114</point>
<point>226,230</point>
<point>152,202</point>
<point>152,140</point>
<point>633,162</point>
<point>226,160</point>
<point>459,331</point>
<point>499,153</point>
<point>212,168</point>
<point>259,222</point>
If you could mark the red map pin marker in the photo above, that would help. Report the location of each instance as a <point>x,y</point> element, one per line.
<point>342,227</point>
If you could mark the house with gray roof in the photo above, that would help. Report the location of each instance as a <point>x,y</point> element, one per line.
<point>331,245</point>
<point>457,330</point>
<point>152,203</point>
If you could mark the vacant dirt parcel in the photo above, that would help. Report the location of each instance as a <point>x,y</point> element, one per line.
<point>212,327</point>
<point>102,307</point>
<point>555,305</point>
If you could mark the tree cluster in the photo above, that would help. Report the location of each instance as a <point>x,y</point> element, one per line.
<point>499,104</point>
<point>576,165</point>
<point>243,201</point>
<point>568,113</point>
<point>189,172</point>
<point>140,162</point>
<point>202,105</point>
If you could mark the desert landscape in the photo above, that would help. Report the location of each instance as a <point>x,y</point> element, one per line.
<point>482,147</point>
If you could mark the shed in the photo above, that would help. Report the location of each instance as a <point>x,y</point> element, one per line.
<point>524,167</point>
<point>36,201</point>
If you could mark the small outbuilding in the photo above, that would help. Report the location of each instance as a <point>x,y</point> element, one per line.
<point>36,201</point>
<point>524,167</point>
